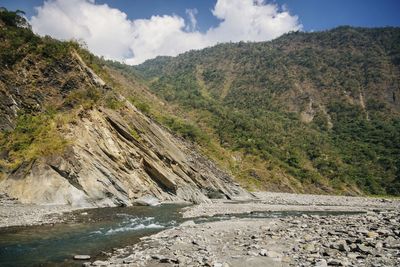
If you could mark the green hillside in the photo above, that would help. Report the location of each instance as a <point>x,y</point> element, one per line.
<point>307,112</point>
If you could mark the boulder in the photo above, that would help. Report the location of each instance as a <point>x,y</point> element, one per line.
<point>147,200</point>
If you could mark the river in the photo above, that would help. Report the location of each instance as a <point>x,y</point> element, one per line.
<point>94,231</point>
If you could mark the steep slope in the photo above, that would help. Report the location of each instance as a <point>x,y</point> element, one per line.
<point>69,137</point>
<point>312,112</point>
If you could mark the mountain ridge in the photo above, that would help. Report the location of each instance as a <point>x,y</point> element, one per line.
<point>306,113</point>
<point>334,87</point>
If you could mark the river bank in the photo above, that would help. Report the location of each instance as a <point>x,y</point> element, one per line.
<point>14,213</point>
<point>266,231</point>
<point>272,201</point>
<point>370,238</point>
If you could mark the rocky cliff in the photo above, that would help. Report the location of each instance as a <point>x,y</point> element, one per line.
<point>62,144</point>
<point>107,165</point>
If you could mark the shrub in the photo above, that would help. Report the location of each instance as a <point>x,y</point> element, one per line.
<point>35,135</point>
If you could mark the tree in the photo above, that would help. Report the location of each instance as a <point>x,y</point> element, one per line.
<point>13,18</point>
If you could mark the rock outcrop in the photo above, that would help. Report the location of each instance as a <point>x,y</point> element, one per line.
<point>114,158</point>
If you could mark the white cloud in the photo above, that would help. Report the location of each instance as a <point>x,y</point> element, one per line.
<point>248,20</point>
<point>108,31</point>
<point>192,18</point>
<point>162,35</point>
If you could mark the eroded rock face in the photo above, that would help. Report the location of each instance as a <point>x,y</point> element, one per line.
<point>108,166</point>
<point>114,157</point>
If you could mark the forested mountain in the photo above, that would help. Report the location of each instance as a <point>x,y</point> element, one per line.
<point>308,112</point>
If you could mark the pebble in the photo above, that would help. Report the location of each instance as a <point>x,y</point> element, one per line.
<point>263,252</point>
<point>100,263</point>
<point>188,223</point>
<point>363,248</point>
<point>81,257</point>
<point>321,263</point>
<point>273,254</point>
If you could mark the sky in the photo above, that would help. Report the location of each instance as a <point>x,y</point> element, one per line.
<point>133,31</point>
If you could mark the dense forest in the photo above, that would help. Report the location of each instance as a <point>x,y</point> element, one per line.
<point>316,111</point>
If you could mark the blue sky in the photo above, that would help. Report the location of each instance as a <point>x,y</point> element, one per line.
<point>313,14</point>
<point>136,30</point>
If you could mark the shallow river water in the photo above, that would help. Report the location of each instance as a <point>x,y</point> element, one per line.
<point>99,230</point>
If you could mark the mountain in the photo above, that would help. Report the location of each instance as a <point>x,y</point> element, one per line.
<point>69,134</point>
<point>307,112</point>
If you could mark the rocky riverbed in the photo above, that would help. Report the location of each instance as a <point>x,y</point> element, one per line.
<point>366,233</point>
<point>14,213</point>
<point>370,238</point>
<point>271,201</point>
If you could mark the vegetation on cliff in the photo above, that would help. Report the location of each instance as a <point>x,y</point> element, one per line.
<point>40,91</point>
<point>320,108</point>
<point>307,112</point>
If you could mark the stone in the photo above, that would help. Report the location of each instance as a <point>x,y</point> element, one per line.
<point>353,247</point>
<point>188,223</point>
<point>309,247</point>
<point>295,248</point>
<point>330,252</point>
<point>308,237</point>
<point>372,234</point>
<point>164,260</point>
<point>100,263</point>
<point>362,232</point>
<point>334,262</point>
<point>273,254</point>
<point>129,259</point>
<point>363,248</point>
<point>156,256</point>
<point>352,255</point>
<point>263,252</point>
<point>321,263</point>
<point>383,232</point>
<point>147,200</point>
<point>252,253</point>
<point>343,247</point>
<point>82,257</point>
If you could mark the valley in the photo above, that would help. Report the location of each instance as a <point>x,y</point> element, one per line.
<point>278,153</point>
